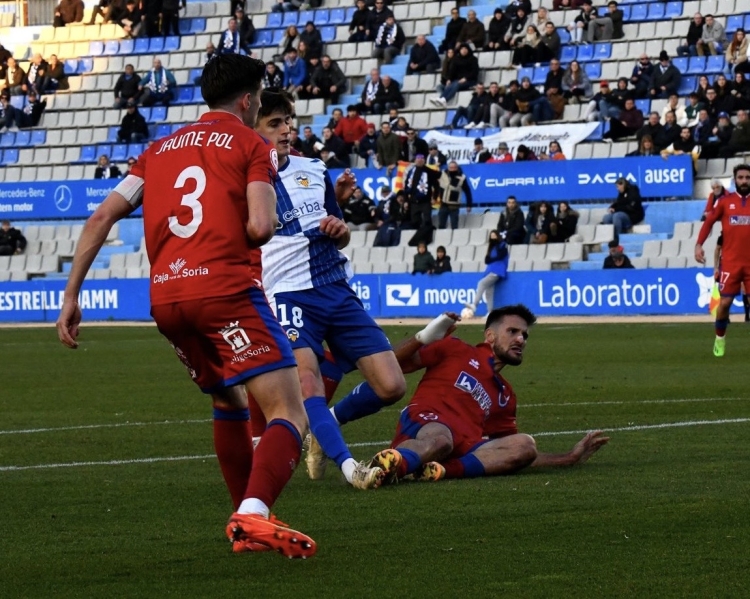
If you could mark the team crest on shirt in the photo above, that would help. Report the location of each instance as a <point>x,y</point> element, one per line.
<point>274,160</point>
<point>236,336</point>
<point>474,363</point>
<point>292,335</point>
<point>302,180</point>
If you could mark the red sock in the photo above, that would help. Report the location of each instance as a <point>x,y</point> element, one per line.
<point>454,468</point>
<point>330,387</point>
<point>234,447</point>
<point>276,457</point>
<point>257,419</point>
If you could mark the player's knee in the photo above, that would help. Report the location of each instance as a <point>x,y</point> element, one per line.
<point>526,451</point>
<point>441,447</point>
<point>310,383</point>
<point>392,387</point>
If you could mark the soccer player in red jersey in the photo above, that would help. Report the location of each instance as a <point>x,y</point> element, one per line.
<point>461,421</point>
<point>208,201</point>
<point>733,211</point>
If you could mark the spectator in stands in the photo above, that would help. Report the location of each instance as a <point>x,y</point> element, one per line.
<point>539,225</point>
<point>665,79</point>
<point>359,212</point>
<point>157,86</point>
<point>496,31</point>
<point>629,121</point>
<point>273,77</point>
<point>170,16</point>
<point>130,19</point>
<point>133,128</point>
<point>68,11</point>
<point>12,240</point>
<point>463,74</point>
<point>413,146</point>
<point>452,30</point>
<point>580,25</point>
<point>5,54</point>
<point>371,90</point>
<point>389,41</point>
<point>474,111</point>
<point>435,158</point>
<point>670,132</point>
<point>309,143</point>
<point>511,222</point>
<point>7,112</point>
<point>526,50</point>
<point>673,105</point>
<point>641,76</point>
<point>652,127</point>
<point>555,152</point>
<point>210,53</point>
<point>684,145</point>
<point>56,77</point>
<point>525,154</point>
<point>645,148</point>
<point>549,48</point>
<point>480,154</point>
<point>367,146</point>
<point>421,186</point>
<point>541,19</point>
<point>424,262</point>
<point>312,40</point>
<point>563,4</point>
<point>330,159</point>
<point>31,113</point>
<point>389,95</point>
<point>442,262</point>
<point>246,29</point>
<point>359,26</point>
<point>389,148</point>
<point>720,136</point>
<point>336,116</point>
<point>694,34</point>
<point>496,260</point>
<point>526,95</point>
<point>514,5</point>
<point>334,144</point>
<point>502,156</point>
<point>739,142</point>
<point>602,106</point>
<point>36,78</point>
<point>287,5</point>
<point>713,39</point>
<point>131,163</point>
<point>517,29</point>
<point>702,87</point>
<point>712,103</point>
<point>737,50</point>
<point>15,78</point>
<point>423,58</point>
<point>229,42</point>
<point>718,191</point>
<point>453,183</point>
<point>741,91</point>
<point>295,72</point>
<point>621,92</point>
<point>703,128</point>
<point>127,87</point>
<point>607,26</point>
<point>501,113</point>
<point>378,16</point>
<point>102,9</point>
<point>106,170</point>
<point>617,257</point>
<point>151,17</point>
<point>576,84</point>
<point>564,224</point>
<point>626,210</point>
<point>351,129</point>
<point>327,81</point>
<point>289,41</point>
<point>725,100</point>
<point>472,33</point>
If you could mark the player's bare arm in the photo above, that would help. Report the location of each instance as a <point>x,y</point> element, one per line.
<point>262,219</point>
<point>93,236</point>
<point>407,351</point>
<point>580,453</point>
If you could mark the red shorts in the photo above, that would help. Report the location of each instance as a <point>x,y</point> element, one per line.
<point>466,436</point>
<point>731,276</point>
<point>223,341</point>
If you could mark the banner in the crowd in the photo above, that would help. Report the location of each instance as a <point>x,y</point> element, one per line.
<point>550,293</point>
<point>537,139</point>
<point>558,180</point>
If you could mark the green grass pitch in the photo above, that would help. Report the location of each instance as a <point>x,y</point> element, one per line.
<point>659,512</point>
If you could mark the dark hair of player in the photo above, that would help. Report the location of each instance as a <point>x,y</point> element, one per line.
<point>516,310</point>
<point>271,102</point>
<point>229,76</point>
<point>740,167</point>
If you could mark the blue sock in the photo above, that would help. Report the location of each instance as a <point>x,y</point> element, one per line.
<point>220,414</point>
<point>326,431</point>
<point>472,466</point>
<point>361,402</point>
<point>721,325</point>
<point>412,460</point>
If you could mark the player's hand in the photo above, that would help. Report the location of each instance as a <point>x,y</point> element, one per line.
<point>334,227</point>
<point>67,323</point>
<point>700,255</point>
<point>438,328</point>
<point>345,185</point>
<point>717,273</point>
<point>587,447</point>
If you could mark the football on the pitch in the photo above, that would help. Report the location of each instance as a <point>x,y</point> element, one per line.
<point>467,313</point>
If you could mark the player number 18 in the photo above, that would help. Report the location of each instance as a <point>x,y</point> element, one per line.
<point>190,200</point>
<point>281,314</point>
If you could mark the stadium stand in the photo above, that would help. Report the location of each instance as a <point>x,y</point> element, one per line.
<point>78,125</point>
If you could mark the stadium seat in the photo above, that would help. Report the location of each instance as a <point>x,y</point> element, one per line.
<point>747,22</point>
<point>603,51</point>
<point>155,45</point>
<point>655,11</point>
<point>10,156</point>
<point>85,65</point>
<point>198,25</point>
<point>337,16</point>
<point>171,43</point>
<point>112,134</point>
<point>540,75</point>
<point>680,63</point>
<point>23,139</point>
<point>585,53</point>
<point>103,149</point>
<point>593,70</point>
<point>158,114</point>
<point>525,72</point>
<point>321,17</point>
<point>563,33</point>
<point>734,22</point>
<point>184,95</point>
<point>687,85</point>
<point>126,47</point>
<point>673,10</point>
<point>38,137</point>
<point>71,66</point>
<point>195,75</point>
<point>644,105</point>
<point>290,18</point>
<point>88,154</point>
<point>18,101</point>
<point>8,140</point>
<point>328,34</point>
<point>639,12</point>
<point>136,149</point>
<point>696,65</point>
<point>141,45</point>
<point>568,54</point>
<point>715,64</point>
<point>96,48</point>
<point>162,130</point>
<point>111,48</point>
<point>119,153</point>
<point>274,20</point>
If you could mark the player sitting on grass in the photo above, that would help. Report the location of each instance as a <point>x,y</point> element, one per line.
<point>461,421</point>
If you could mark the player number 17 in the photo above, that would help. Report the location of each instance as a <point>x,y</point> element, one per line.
<point>190,200</point>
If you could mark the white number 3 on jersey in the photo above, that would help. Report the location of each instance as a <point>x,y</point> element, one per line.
<point>190,200</point>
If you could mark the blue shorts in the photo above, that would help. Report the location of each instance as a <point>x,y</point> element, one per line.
<point>334,314</point>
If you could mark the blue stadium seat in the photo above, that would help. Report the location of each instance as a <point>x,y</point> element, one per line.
<point>715,64</point>
<point>184,95</point>
<point>593,70</point>
<point>625,13</point>
<point>681,63</point>
<point>696,65</point>
<point>655,11</point>
<point>96,48</point>
<point>158,114</point>
<point>171,43</point>
<point>596,134</point>
<point>112,134</point>
<point>734,22</point>
<point>448,117</point>
<point>146,112</point>
<point>195,74</point>
<point>38,137</point>
<point>540,75</point>
<point>305,16</point>
<point>585,53</point>
<point>747,22</point>
<point>156,45</point>
<point>274,20</point>
<point>328,34</point>
<point>177,126</point>
<point>525,72</point>
<point>290,18</point>
<point>71,66</point>
<point>687,85</point>
<point>197,96</point>
<point>337,16</point>
<point>263,37</point>
<point>10,156</point>
<point>162,130</point>
<point>197,25</point>
<point>602,51</point>
<point>644,105</point>
<point>88,154</point>
<point>673,10</point>
<point>23,139</point>
<point>321,17</point>
<point>491,130</point>
<point>186,26</point>
<point>103,149</point>
<point>18,102</point>
<point>126,47</point>
<point>151,131</point>
<point>85,65</point>
<point>563,33</point>
<point>141,45</point>
<point>111,48</point>
<point>568,54</point>
<point>136,149</point>
<point>119,152</point>
<point>639,12</point>
<point>8,140</point>
<point>349,14</point>
<point>278,35</point>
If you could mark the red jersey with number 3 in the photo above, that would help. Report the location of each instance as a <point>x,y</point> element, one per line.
<point>733,211</point>
<point>195,207</point>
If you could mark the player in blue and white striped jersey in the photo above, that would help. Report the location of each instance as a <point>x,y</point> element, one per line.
<point>306,280</point>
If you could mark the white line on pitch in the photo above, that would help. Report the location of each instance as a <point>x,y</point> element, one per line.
<point>641,427</point>
<point>53,429</point>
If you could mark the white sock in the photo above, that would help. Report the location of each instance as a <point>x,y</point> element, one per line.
<point>333,412</point>
<point>253,506</point>
<point>348,468</point>
<point>435,330</point>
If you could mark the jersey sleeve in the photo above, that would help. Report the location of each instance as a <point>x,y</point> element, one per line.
<point>711,218</point>
<point>332,206</point>
<point>433,354</point>
<point>264,161</point>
